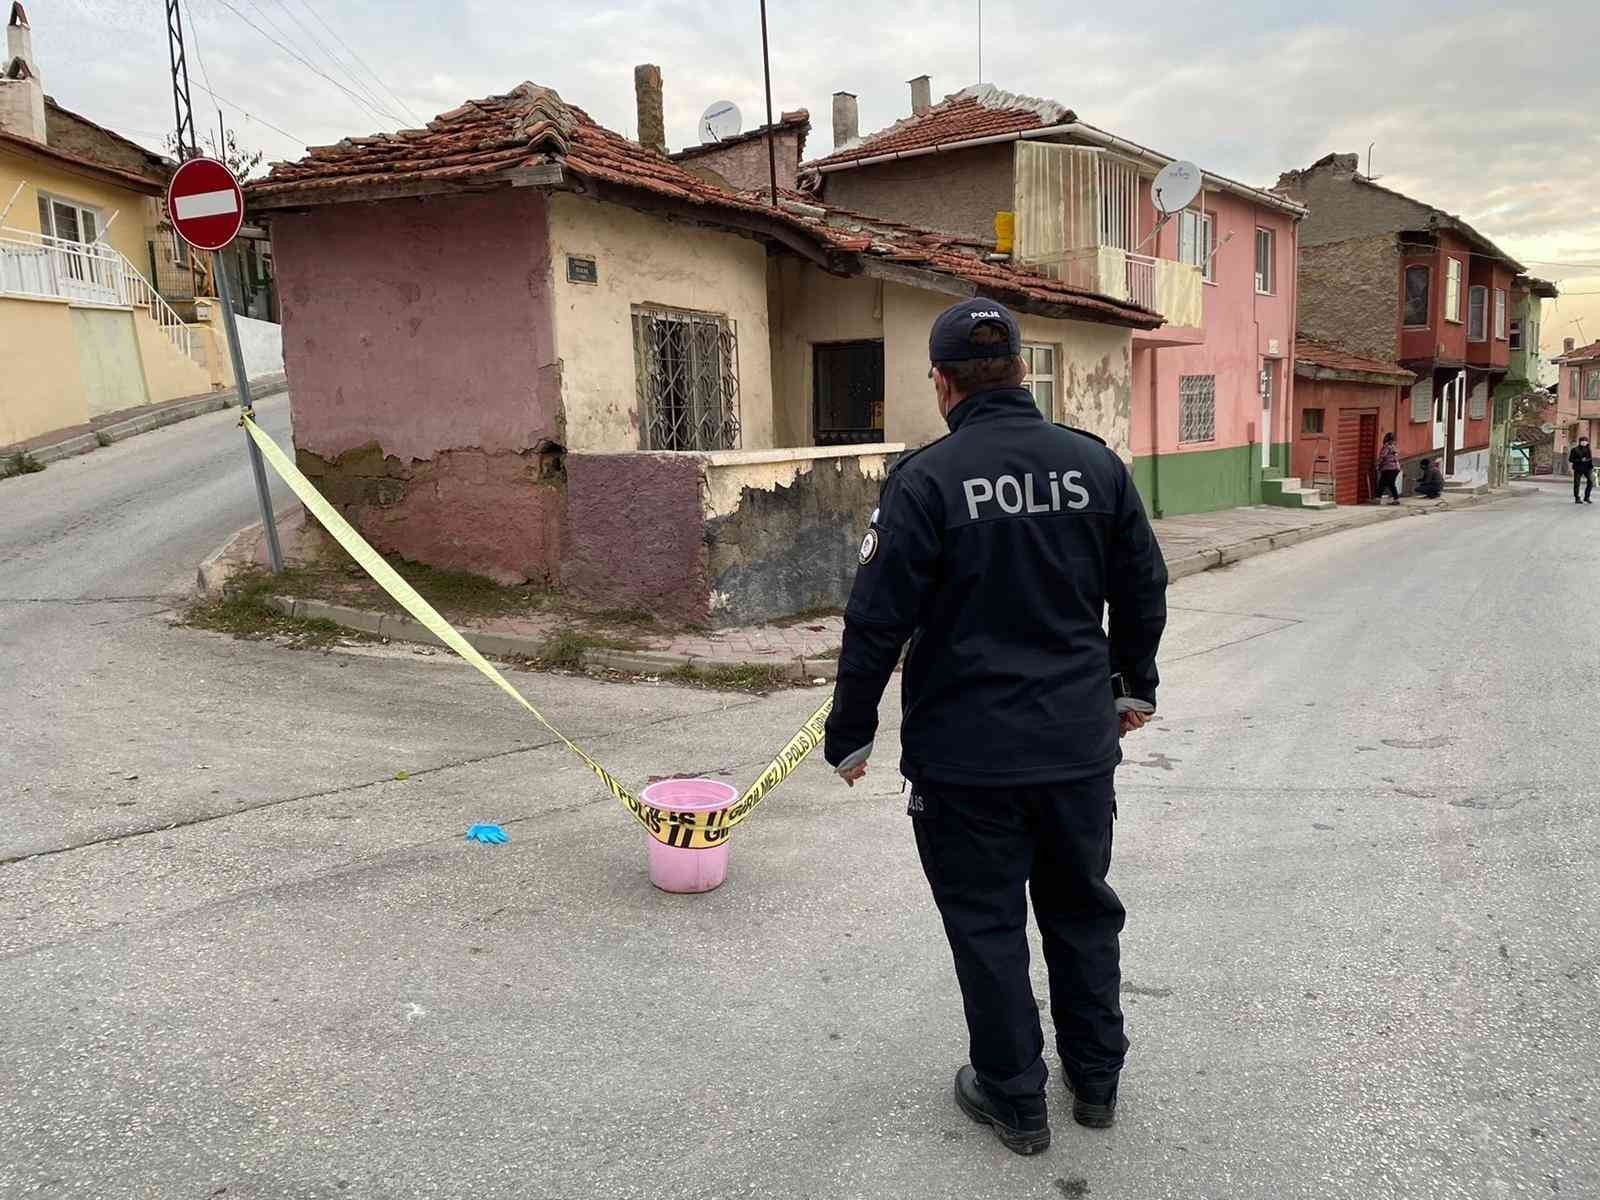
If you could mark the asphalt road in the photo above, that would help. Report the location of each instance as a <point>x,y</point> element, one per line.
<point>1359,852</point>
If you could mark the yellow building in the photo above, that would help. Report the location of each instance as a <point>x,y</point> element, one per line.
<point>83,332</point>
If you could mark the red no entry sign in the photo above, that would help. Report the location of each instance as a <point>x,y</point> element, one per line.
<point>206,204</point>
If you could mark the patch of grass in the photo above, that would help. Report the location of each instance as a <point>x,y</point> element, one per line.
<point>245,611</point>
<point>565,649</point>
<point>20,463</point>
<point>734,677</point>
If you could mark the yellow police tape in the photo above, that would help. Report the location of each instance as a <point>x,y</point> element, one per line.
<point>684,829</point>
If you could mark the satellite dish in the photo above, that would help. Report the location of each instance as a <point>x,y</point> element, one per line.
<point>720,122</point>
<point>1175,187</point>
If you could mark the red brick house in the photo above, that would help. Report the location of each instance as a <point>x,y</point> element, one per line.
<point>1397,280</point>
<point>1343,405</point>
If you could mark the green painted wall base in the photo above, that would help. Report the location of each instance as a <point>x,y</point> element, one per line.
<point>1205,480</point>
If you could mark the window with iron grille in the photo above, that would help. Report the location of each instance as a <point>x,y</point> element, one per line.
<point>1197,408</point>
<point>687,366</point>
<point>847,399</point>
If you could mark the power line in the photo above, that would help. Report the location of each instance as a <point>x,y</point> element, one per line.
<point>194,35</point>
<point>336,61</point>
<point>293,137</point>
<point>366,99</point>
<point>303,61</point>
<point>305,4</point>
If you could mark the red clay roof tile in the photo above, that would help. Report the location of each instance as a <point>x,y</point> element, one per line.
<point>976,112</point>
<point>482,140</point>
<point>1316,352</point>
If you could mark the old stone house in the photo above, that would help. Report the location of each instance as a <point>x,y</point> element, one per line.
<point>523,345</point>
<point>1400,281</point>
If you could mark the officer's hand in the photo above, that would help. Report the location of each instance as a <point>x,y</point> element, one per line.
<point>1132,720</point>
<point>851,774</point>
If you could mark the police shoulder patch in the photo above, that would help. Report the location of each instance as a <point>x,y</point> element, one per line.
<point>869,547</point>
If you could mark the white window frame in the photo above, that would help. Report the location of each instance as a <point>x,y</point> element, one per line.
<point>1198,392</point>
<point>1032,375</point>
<point>1500,334</point>
<point>48,202</point>
<point>1197,242</point>
<point>1266,282</point>
<point>1515,335</point>
<point>1452,290</point>
<point>1477,313</point>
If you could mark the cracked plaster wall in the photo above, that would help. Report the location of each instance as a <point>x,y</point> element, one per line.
<point>425,392</point>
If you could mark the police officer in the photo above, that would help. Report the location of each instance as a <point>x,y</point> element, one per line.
<point>996,551</point>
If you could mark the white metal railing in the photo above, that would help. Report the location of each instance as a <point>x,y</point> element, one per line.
<point>35,264</point>
<point>1141,280</point>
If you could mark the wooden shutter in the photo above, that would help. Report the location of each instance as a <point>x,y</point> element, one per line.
<point>1422,401</point>
<point>1478,401</point>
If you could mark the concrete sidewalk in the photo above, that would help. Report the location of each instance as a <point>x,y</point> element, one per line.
<point>806,649</point>
<point>114,427</point>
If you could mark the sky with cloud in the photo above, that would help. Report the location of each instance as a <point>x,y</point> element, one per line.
<point>1486,110</point>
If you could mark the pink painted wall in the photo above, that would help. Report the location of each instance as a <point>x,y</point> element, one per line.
<point>424,386</point>
<point>1239,327</point>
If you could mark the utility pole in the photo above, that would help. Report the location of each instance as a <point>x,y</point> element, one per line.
<point>766,68</point>
<point>188,147</point>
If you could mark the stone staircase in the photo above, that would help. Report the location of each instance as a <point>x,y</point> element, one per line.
<point>1455,486</point>
<point>1288,493</point>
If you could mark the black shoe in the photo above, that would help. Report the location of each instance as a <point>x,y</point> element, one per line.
<point>1023,1129</point>
<point>1094,1107</point>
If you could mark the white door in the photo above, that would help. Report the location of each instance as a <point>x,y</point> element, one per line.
<point>1442,399</point>
<point>1461,410</point>
<point>1266,414</point>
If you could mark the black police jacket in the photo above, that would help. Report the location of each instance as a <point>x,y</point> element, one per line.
<point>997,550</point>
<point>1581,458</point>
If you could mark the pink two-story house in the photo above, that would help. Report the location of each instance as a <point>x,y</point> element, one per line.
<point>1207,412</point>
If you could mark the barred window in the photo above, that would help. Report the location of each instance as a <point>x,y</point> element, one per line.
<point>687,366</point>
<point>1197,408</point>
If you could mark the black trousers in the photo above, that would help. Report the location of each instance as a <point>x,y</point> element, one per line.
<point>1386,484</point>
<point>980,847</point>
<point>1587,479</point>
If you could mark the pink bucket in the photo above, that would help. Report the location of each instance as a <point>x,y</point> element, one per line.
<point>673,868</point>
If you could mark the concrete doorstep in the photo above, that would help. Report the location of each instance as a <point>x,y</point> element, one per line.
<point>816,661</point>
<point>143,421</point>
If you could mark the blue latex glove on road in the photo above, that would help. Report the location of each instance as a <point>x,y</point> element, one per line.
<point>490,834</point>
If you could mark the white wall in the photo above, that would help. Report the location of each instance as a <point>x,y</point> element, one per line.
<point>644,259</point>
<point>261,342</point>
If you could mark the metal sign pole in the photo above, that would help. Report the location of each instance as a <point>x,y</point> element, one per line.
<point>257,468</point>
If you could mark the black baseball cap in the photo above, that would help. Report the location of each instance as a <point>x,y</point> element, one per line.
<point>951,337</point>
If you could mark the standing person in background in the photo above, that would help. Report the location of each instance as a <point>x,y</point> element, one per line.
<point>998,551</point>
<point>1388,469</point>
<point>1582,460</point>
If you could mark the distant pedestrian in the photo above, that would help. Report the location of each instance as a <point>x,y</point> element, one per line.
<point>1389,469</point>
<point>1582,460</point>
<point>1430,482</point>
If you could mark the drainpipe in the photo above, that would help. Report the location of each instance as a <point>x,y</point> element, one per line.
<point>1155,439</point>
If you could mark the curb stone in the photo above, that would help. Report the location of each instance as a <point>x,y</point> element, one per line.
<point>215,571</point>
<point>172,414</point>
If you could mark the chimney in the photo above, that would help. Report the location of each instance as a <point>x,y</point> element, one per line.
<point>21,89</point>
<point>921,95</point>
<point>846,119</point>
<point>1568,344</point>
<point>647,94</point>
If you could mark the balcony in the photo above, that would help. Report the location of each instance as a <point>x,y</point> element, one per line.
<point>1077,209</point>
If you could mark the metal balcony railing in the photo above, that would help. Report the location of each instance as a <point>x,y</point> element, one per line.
<point>35,264</point>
